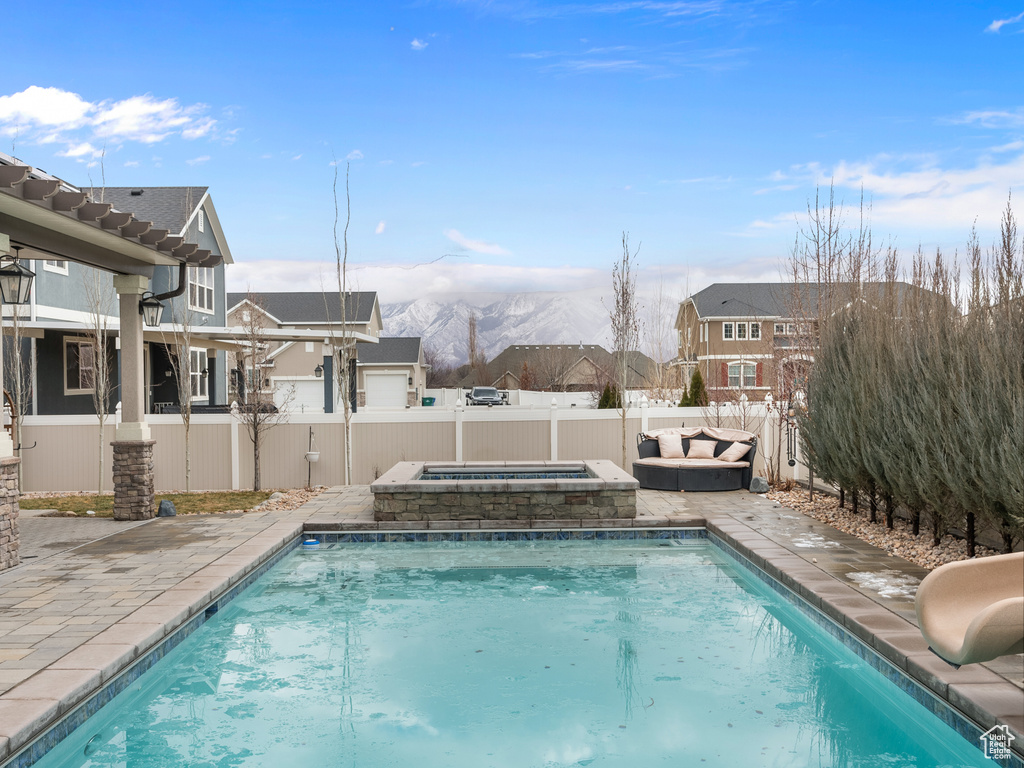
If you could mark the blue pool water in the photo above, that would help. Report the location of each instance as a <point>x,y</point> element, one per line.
<point>554,653</point>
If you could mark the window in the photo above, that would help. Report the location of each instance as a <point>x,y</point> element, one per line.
<point>755,331</point>
<point>79,366</point>
<point>200,289</point>
<point>742,375</point>
<point>198,373</point>
<point>60,266</point>
<point>741,331</point>
<point>728,331</point>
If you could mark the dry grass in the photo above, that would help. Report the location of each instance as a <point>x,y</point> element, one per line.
<point>185,503</point>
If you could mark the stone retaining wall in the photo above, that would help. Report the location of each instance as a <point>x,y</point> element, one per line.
<point>504,506</point>
<point>9,508</point>
<point>606,492</point>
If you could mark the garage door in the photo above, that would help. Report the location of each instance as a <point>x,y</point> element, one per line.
<point>386,390</point>
<point>305,396</point>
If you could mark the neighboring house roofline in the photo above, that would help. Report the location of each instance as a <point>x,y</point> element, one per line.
<point>256,307</point>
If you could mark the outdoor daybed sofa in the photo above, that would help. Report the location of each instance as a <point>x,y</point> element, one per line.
<point>695,459</point>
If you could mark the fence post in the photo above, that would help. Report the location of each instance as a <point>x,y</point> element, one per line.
<point>554,429</point>
<point>644,416</point>
<point>233,426</point>
<point>458,430</point>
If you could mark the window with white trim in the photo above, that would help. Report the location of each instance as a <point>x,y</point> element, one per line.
<point>200,288</point>
<point>79,366</point>
<point>60,266</point>
<point>741,331</point>
<point>728,331</point>
<point>755,331</point>
<point>742,375</point>
<point>198,374</point>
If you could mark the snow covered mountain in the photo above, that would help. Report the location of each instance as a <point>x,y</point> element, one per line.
<point>501,319</point>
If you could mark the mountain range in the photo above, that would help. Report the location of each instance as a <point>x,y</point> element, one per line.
<point>547,317</point>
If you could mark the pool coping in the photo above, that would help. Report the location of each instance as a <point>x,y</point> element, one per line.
<point>53,702</point>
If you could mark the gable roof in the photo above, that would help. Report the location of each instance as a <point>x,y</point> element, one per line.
<point>766,300</point>
<point>313,307</point>
<point>167,207</point>
<point>389,350</point>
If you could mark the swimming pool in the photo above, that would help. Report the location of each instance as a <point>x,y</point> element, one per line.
<point>547,653</point>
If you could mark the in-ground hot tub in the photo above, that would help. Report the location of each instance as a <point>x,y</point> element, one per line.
<point>504,490</point>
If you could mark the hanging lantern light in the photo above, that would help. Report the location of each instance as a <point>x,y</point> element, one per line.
<point>15,281</point>
<point>151,309</point>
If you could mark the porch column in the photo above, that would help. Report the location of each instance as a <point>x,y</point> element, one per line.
<point>133,446</point>
<point>9,490</point>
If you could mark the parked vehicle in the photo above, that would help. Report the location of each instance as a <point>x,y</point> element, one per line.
<point>484,396</point>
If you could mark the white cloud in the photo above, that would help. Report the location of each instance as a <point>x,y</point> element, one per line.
<point>198,160</point>
<point>922,196</point>
<point>85,149</point>
<point>476,246</point>
<point>297,157</point>
<point>355,154</point>
<point>998,24</point>
<point>51,107</point>
<point>47,115</point>
<point>131,164</point>
<point>993,118</point>
<point>396,282</point>
<point>380,227</point>
<point>418,45</point>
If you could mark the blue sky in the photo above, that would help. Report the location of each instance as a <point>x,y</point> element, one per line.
<point>516,140</point>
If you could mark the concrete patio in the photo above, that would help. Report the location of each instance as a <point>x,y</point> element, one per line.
<point>99,595</point>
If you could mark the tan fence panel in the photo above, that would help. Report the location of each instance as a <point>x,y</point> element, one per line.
<point>65,457</point>
<point>597,439</point>
<point>283,456</point>
<point>210,448</point>
<point>381,445</point>
<point>506,440</point>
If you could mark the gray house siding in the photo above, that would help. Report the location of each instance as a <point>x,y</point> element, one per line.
<point>68,291</point>
<point>51,399</point>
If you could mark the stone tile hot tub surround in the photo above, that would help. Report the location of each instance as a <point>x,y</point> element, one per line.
<point>607,492</point>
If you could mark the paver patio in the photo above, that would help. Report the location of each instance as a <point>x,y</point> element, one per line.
<point>71,622</point>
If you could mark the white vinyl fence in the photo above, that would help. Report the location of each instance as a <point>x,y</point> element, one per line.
<point>61,452</point>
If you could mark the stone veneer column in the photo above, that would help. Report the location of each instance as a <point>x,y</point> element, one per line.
<point>9,495</point>
<point>133,479</point>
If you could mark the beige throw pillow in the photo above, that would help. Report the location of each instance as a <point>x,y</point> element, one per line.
<point>701,449</point>
<point>671,447</point>
<point>734,452</point>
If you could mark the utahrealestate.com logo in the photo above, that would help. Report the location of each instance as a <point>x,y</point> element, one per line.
<point>997,742</point>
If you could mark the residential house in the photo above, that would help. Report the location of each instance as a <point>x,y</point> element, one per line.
<point>68,297</point>
<point>561,368</point>
<point>753,338</point>
<point>304,333</point>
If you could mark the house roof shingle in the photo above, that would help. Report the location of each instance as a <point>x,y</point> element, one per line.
<point>313,307</point>
<point>167,207</point>
<point>557,360</point>
<point>389,350</point>
<point>764,299</point>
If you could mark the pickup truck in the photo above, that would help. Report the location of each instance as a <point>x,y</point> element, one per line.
<point>484,396</point>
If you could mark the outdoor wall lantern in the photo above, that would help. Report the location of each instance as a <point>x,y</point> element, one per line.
<point>151,309</point>
<point>319,371</point>
<point>15,280</point>
<point>204,373</point>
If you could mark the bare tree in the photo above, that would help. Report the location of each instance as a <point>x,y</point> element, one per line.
<point>259,413</point>
<point>625,321</point>
<point>439,370</point>
<point>345,343</point>
<point>665,379</point>
<point>99,297</point>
